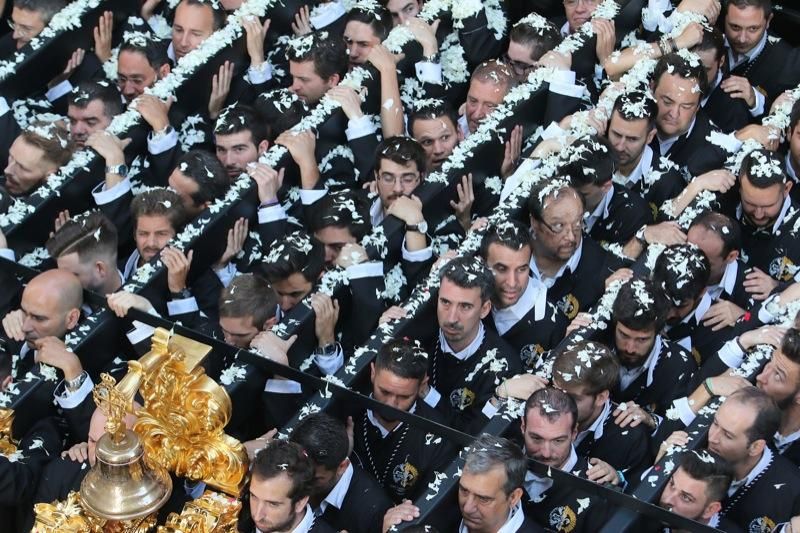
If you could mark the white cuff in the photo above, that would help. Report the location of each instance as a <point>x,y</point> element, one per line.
<point>140,332</point>
<point>727,141</point>
<point>371,269</point>
<point>758,109</point>
<point>159,143</point>
<point>3,106</point>
<point>226,274</point>
<point>104,196</point>
<point>731,354</point>
<point>685,412</point>
<point>8,253</point>
<point>417,256</point>
<point>179,307</point>
<point>58,91</point>
<point>359,127</point>
<point>70,400</point>
<point>329,364</point>
<point>428,72</point>
<point>433,397</point>
<point>489,410</point>
<point>763,314</point>
<point>310,196</point>
<point>553,131</point>
<point>271,214</point>
<point>259,74</point>
<point>325,14</point>
<point>283,386</point>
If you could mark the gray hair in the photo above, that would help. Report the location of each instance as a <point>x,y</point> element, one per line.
<point>488,452</point>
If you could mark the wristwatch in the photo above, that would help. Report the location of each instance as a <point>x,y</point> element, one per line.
<point>121,170</point>
<point>639,235</point>
<point>181,294</point>
<point>422,227</point>
<point>326,351</point>
<point>74,384</point>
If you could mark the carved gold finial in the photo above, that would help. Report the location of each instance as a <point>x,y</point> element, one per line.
<point>211,513</point>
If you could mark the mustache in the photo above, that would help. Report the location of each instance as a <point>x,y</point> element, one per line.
<point>453,325</point>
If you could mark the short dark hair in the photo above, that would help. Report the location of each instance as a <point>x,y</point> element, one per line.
<point>637,105</point>
<point>323,438</point>
<point>404,358</point>
<point>431,109</point>
<point>552,404</point>
<point>248,295</point>
<point>764,5</point>
<point>594,163</point>
<point>541,191</point>
<point>153,50</point>
<point>89,91</point>
<point>46,8</point>
<point>91,236</point>
<point>599,369</point>
<point>238,118</point>
<point>469,272</point>
<point>209,174</point>
<point>488,452</point>
<point>768,415</point>
<point>341,209</point>
<point>159,202</point>
<point>682,272</point>
<point>511,234</point>
<point>640,306</point>
<point>400,149</point>
<point>675,64</point>
<point>328,53</point>
<point>763,169</point>
<point>794,117</point>
<point>280,110</point>
<point>296,252</point>
<point>790,345</point>
<point>540,39</point>
<point>216,10</point>
<point>284,457</point>
<point>376,17</point>
<point>727,229</point>
<point>712,40</point>
<point>710,468</point>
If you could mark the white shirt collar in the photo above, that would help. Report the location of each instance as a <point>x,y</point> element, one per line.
<point>535,485</point>
<point>629,375</point>
<point>533,297</point>
<point>467,352</point>
<point>601,210</point>
<point>376,214</point>
<point>645,162</point>
<point>131,264</point>
<point>665,145</point>
<point>171,52</point>
<point>761,465</point>
<point>727,283</point>
<point>733,61</point>
<point>565,30</point>
<point>597,425</point>
<point>571,264</point>
<point>787,202</point>
<point>782,443</point>
<point>336,496</point>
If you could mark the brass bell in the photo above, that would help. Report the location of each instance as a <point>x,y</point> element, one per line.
<point>121,486</point>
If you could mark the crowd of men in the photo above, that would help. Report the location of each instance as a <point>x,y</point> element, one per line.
<point>633,185</point>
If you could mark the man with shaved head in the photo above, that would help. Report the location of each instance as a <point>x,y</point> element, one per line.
<point>50,308</point>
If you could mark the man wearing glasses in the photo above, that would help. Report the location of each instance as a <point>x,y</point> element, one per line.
<point>29,17</point>
<point>573,267</point>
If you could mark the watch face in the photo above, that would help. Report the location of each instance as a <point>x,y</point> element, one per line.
<point>422,227</point>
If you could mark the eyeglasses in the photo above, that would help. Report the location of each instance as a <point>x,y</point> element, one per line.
<point>390,179</point>
<point>24,31</point>
<point>559,228</point>
<point>518,67</point>
<point>574,3</point>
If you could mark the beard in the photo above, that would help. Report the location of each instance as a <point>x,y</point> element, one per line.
<point>283,526</point>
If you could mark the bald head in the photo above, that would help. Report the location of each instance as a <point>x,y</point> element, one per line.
<point>51,302</point>
<point>61,285</point>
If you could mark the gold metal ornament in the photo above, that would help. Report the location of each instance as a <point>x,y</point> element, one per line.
<point>7,443</point>
<point>211,513</point>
